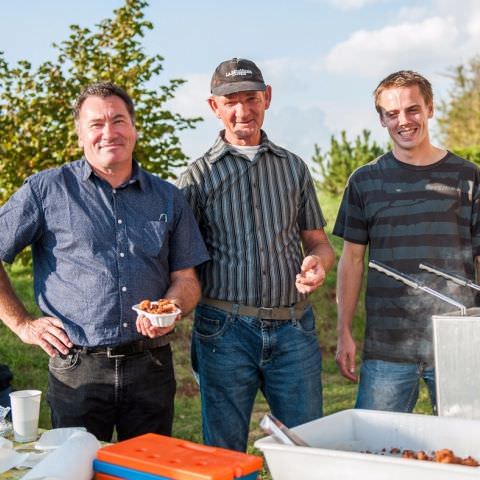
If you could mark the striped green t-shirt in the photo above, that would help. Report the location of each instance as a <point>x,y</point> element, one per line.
<point>408,215</point>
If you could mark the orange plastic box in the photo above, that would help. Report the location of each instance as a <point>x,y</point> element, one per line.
<point>104,476</point>
<point>180,459</point>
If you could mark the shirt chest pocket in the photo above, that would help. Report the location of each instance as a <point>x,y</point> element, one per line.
<point>154,238</point>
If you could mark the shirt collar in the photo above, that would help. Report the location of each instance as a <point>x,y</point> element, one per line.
<point>138,174</point>
<point>221,148</point>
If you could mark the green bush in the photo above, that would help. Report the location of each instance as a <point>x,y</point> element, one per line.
<point>470,153</point>
<point>459,115</point>
<point>343,157</point>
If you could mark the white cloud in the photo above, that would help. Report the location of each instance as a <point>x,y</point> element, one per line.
<point>191,101</point>
<point>297,128</point>
<point>412,13</point>
<point>191,98</point>
<point>353,119</point>
<point>460,8</point>
<point>473,26</point>
<point>196,142</point>
<point>467,19</point>
<point>423,46</point>
<point>352,4</point>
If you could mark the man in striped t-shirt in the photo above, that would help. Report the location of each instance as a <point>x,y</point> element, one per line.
<point>256,206</point>
<point>417,203</point>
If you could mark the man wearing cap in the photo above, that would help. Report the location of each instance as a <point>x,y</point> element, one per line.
<point>258,212</point>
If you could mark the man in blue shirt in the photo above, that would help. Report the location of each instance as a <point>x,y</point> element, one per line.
<point>105,234</point>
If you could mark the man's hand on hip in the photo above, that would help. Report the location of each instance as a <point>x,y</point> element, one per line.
<point>46,332</point>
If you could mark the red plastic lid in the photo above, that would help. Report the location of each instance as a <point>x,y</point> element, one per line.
<point>179,459</point>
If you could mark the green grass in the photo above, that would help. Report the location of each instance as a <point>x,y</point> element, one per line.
<point>29,363</point>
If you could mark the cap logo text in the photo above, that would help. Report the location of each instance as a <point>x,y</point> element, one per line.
<point>242,72</point>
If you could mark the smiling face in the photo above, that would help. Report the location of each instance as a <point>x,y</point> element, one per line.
<point>242,114</point>
<point>405,114</point>
<point>107,135</point>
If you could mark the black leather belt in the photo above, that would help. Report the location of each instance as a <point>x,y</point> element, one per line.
<point>265,313</point>
<point>126,349</point>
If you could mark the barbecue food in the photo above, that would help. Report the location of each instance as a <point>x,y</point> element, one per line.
<point>444,455</point>
<point>160,307</point>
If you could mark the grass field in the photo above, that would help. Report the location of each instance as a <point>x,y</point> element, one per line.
<point>29,363</point>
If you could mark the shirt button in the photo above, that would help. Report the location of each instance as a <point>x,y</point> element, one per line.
<point>124,289</point>
<point>125,325</point>
<point>114,191</point>
<point>119,220</point>
<point>122,254</point>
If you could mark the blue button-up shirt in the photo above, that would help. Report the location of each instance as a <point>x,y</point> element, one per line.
<point>98,250</point>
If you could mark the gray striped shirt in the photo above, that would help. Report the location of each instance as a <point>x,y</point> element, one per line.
<point>251,214</point>
<point>407,215</point>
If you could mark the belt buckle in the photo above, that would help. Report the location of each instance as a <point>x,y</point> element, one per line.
<point>113,355</point>
<point>268,310</point>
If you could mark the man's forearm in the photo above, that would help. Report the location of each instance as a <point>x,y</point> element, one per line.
<point>12,311</point>
<point>349,284</point>
<point>316,243</point>
<point>46,332</point>
<point>185,292</point>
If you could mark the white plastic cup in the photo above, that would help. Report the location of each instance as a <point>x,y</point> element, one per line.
<point>25,414</point>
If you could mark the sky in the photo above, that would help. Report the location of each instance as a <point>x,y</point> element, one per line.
<point>323,58</point>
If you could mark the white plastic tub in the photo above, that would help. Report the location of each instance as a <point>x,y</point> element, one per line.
<point>338,441</point>
<point>456,341</point>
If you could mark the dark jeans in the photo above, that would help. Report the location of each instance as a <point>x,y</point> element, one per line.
<point>5,397</point>
<point>134,393</point>
<point>237,355</point>
<point>6,377</point>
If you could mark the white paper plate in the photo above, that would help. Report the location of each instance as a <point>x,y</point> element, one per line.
<point>159,319</point>
<point>52,439</point>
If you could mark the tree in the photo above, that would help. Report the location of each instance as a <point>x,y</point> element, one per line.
<point>470,153</point>
<point>459,119</point>
<point>36,118</point>
<point>336,165</point>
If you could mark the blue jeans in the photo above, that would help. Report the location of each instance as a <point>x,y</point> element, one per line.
<point>393,386</point>
<point>134,393</point>
<point>235,356</point>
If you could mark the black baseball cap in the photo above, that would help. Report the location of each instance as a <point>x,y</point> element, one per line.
<point>236,75</point>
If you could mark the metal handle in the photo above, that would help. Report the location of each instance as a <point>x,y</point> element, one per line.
<point>451,301</point>
<point>458,279</point>
<point>391,272</point>
<point>273,426</point>
<point>407,280</point>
